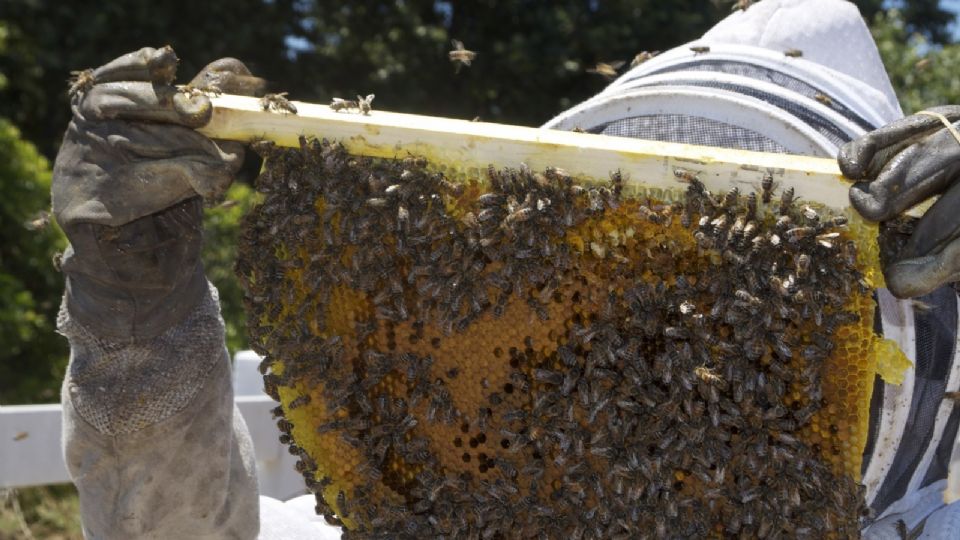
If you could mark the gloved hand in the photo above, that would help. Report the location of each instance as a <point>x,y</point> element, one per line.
<point>898,166</point>
<point>151,435</point>
<point>127,188</point>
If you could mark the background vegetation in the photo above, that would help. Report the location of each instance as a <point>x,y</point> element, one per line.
<point>532,65</point>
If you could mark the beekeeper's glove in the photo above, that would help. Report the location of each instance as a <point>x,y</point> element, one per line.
<point>898,166</point>
<point>152,438</point>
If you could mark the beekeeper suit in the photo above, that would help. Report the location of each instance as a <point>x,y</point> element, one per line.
<point>805,77</point>
<point>151,436</point>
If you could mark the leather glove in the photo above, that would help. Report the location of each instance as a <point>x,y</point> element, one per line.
<point>127,187</point>
<point>898,166</point>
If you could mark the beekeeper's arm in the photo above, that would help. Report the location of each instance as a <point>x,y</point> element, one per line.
<point>151,436</point>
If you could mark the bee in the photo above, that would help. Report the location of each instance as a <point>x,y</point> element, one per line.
<point>196,91</point>
<point>364,104</point>
<point>685,175</point>
<point>742,5</point>
<point>299,401</point>
<point>809,213</point>
<point>730,199</point>
<point>750,211</point>
<point>277,103</point>
<point>650,215</point>
<point>81,82</point>
<point>803,266</point>
<point>339,104</point>
<point>793,53</point>
<point>834,222</point>
<point>38,221</point>
<point>674,332</point>
<point>826,240</point>
<point>922,64</point>
<point>766,186</point>
<point>642,57</point>
<point>700,49</point>
<point>823,98</point>
<point>707,375</point>
<point>748,298</point>
<point>607,70</point>
<point>786,200</point>
<point>460,56</point>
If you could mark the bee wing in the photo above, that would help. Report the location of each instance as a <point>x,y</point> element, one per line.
<point>457,44</point>
<point>617,64</point>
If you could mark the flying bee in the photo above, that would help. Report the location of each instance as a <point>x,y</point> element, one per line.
<point>793,53</point>
<point>700,49</point>
<point>460,56</point>
<point>642,57</point>
<point>823,98</point>
<point>607,70</point>
<point>277,103</point>
<point>742,5</point>
<point>38,221</point>
<point>80,82</point>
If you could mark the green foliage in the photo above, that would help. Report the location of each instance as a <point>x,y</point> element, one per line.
<point>923,75</point>
<point>32,357</point>
<point>47,512</point>
<point>221,232</point>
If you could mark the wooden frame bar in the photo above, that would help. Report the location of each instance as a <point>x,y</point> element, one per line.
<point>467,146</point>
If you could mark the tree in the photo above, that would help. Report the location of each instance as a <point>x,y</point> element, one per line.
<point>31,356</point>
<point>922,75</point>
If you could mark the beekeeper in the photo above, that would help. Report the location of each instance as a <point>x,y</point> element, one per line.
<point>152,438</point>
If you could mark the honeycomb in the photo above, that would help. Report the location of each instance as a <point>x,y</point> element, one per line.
<point>521,354</point>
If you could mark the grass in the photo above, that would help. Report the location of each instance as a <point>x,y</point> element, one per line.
<point>45,512</point>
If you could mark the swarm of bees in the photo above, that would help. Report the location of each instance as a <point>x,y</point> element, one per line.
<point>526,355</point>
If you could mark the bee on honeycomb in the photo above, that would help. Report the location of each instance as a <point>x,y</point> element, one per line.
<point>527,354</point>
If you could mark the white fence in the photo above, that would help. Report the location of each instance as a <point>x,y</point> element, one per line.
<point>30,439</point>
